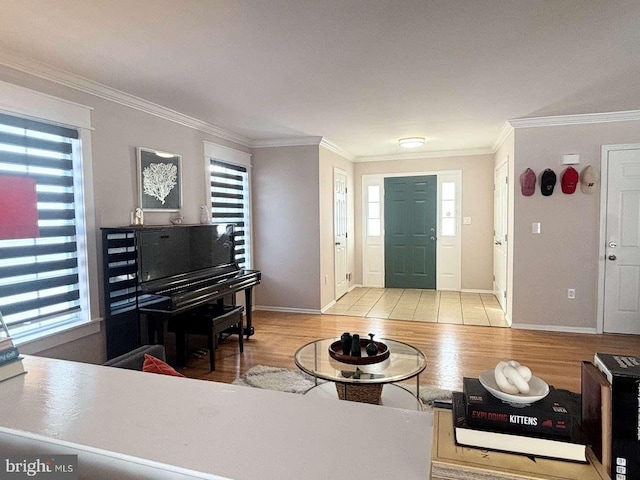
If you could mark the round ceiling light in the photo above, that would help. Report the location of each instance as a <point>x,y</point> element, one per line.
<point>411,142</point>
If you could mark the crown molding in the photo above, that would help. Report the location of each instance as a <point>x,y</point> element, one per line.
<point>285,142</point>
<point>329,145</point>
<point>578,119</point>
<point>507,129</point>
<point>421,155</point>
<point>61,77</point>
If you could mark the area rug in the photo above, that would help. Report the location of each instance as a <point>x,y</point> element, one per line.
<point>296,381</point>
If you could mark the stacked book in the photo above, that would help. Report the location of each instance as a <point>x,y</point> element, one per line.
<point>547,428</point>
<point>611,412</point>
<point>10,360</point>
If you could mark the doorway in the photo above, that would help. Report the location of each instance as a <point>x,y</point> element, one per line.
<point>448,240</point>
<point>500,205</point>
<point>340,232</point>
<point>410,205</point>
<point>619,289</point>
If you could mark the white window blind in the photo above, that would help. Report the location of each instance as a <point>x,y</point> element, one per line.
<point>230,204</point>
<point>39,278</point>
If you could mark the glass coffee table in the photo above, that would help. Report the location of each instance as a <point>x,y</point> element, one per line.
<point>364,383</point>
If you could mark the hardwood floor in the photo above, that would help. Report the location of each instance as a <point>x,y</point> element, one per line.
<point>452,351</point>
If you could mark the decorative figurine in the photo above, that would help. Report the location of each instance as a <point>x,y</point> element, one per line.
<point>355,346</point>
<point>372,348</point>
<point>177,220</point>
<point>205,218</point>
<point>138,216</point>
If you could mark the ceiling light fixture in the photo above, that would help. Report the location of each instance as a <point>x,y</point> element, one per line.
<point>411,142</point>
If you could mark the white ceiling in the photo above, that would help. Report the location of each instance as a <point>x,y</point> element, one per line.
<point>361,73</point>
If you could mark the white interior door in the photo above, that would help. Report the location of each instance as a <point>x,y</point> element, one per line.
<point>500,197</point>
<point>622,239</point>
<point>340,231</point>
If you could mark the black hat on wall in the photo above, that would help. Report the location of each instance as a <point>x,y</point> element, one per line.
<point>547,182</point>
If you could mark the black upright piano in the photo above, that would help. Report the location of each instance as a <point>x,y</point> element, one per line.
<point>155,273</point>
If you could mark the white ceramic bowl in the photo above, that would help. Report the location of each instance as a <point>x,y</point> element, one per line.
<point>538,389</point>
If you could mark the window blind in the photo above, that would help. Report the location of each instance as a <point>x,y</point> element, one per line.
<point>39,276</point>
<point>230,204</point>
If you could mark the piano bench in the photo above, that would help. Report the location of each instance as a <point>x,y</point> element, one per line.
<point>210,320</point>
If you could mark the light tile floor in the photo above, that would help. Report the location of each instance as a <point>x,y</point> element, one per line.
<point>421,306</point>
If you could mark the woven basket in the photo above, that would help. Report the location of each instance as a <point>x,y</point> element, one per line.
<point>360,393</point>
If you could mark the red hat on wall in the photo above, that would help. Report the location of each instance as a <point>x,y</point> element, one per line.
<point>528,182</point>
<point>570,180</point>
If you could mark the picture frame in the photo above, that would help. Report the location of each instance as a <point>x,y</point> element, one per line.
<point>159,180</point>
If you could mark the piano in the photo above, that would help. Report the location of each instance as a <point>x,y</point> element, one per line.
<point>153,274</point>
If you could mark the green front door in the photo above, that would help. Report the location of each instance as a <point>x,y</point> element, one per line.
<point>410,231</point>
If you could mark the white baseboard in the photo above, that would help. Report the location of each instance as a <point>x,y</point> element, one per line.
<point>554,328</point>
<point>328,306</point>
<point>287,310</point>
<point>472,290</point>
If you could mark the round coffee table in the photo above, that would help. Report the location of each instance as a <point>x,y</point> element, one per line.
<point>364,382</point>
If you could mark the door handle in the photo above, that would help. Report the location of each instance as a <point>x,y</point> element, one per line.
<point>338,243</point>
<point>612,257</point>
<point>497,243</point>
<point>432,237</point>
<point>613,244</point>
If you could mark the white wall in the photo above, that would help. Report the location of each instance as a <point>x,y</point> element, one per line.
<point>286,227</point>
<point>565,254</point>
<point>328,161</point>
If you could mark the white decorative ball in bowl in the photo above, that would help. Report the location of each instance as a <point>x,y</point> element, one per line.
<point>514,383</point>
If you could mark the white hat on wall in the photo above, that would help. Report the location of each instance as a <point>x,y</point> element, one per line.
<point>589,179</point>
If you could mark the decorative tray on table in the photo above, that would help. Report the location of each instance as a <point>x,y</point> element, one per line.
<point>335,352</point>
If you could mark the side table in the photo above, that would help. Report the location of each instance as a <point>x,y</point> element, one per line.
<point>449,461</point>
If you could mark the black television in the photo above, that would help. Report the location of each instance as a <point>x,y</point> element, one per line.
<point>165,252</point>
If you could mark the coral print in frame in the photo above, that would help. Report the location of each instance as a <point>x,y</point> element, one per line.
<point>159,186</point>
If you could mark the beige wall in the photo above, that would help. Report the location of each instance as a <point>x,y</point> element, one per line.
<point>477,203</point>
<point>328,161</point>
<point>565,254</point>
<point>118,131</point>
<point>286,227</point>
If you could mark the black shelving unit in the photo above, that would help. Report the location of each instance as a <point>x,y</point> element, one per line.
<point>120,270</point>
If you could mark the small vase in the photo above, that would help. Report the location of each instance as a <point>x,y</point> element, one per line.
<point>355,346</point>
<point>345,340</point>
<point>372,348</point>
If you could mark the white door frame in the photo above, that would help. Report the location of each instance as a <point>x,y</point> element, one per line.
<point>604,184</point>
<point>442,175</point>
<point>502,296</point>
<point>341,285</point>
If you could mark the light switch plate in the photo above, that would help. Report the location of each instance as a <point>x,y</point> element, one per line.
<point>535,227</point>
<point>466,220</point>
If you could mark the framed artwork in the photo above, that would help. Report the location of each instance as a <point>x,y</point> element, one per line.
<point>159,180</point>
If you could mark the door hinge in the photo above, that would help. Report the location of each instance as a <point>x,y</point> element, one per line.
<point>506,180</point>
<point>504,294</point>
<point>494,278</point>
<point>505,237</point>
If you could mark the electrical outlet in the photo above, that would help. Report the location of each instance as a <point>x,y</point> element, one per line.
<point>571,293</point>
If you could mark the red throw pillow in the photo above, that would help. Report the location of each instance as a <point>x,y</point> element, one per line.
<point>155,365</point>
